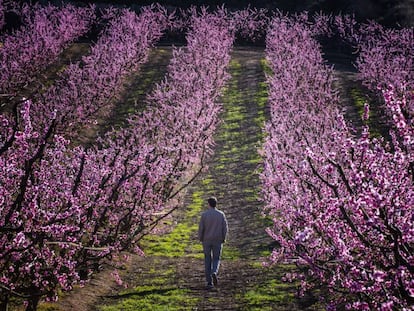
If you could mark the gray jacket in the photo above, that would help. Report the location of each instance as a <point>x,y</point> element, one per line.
<point>213,226</point>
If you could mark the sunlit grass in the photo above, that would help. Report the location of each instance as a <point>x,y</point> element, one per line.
<point>359,100</point>
<point>230,253</point>
<point>158,293</point>
<point>266,66</point>
<point>48,306</point>
<point>266,295</point>
<point>178,243</point>
<point>261,98</point>
<point>270,291</point>
<point>156,298</point>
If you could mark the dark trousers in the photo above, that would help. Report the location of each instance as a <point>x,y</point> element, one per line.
<point>212,254</point>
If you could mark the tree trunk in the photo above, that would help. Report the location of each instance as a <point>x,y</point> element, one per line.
<point>33,302</point>
<point>4,304</point>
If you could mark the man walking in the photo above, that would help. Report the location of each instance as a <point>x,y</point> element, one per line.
<point>212,233</point>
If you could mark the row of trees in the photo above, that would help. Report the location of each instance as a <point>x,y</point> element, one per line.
<point>341,203</point>
<point>89,86</point>
<point>41,247</point>
<point>386,66</point>
<point>45,32</point>
<point>65,210</point>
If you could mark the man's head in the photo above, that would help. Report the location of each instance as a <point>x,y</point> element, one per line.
<point>212,202</point>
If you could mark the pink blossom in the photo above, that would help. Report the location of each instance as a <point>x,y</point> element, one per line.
<point>341,204</point>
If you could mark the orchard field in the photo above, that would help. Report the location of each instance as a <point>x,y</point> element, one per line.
<point>118,124</point>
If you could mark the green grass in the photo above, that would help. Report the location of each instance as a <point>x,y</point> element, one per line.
<point>47,306</point>
<point>172,244</point>
<point>359,100</point>
<point>220,166</point>
<point>233,116</point>
<point>230,253</point>
<point>155,298</point>
<point>234,113</point>
<point>235,69</point>
<point>261,98</point>
<point>269,292</point>
<point>266,67</point>
<point>178,243</point>
<point>159,293</point>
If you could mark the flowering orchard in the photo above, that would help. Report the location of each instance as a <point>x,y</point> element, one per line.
<point>342,205</point>
<point>46,31</point>
<point>386,65</point>
<point>67,209</point>
<point>43,242</point>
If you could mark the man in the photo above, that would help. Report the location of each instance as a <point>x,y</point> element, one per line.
<point>212,233</point>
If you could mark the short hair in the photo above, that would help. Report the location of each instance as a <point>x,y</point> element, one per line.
<point>212,201</point>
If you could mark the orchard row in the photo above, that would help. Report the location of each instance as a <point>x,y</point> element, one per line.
<point>67,209</point>
<point>341,202</point>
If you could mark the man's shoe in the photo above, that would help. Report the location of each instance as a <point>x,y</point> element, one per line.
<point>209,286</point>
<point>215,280</point>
